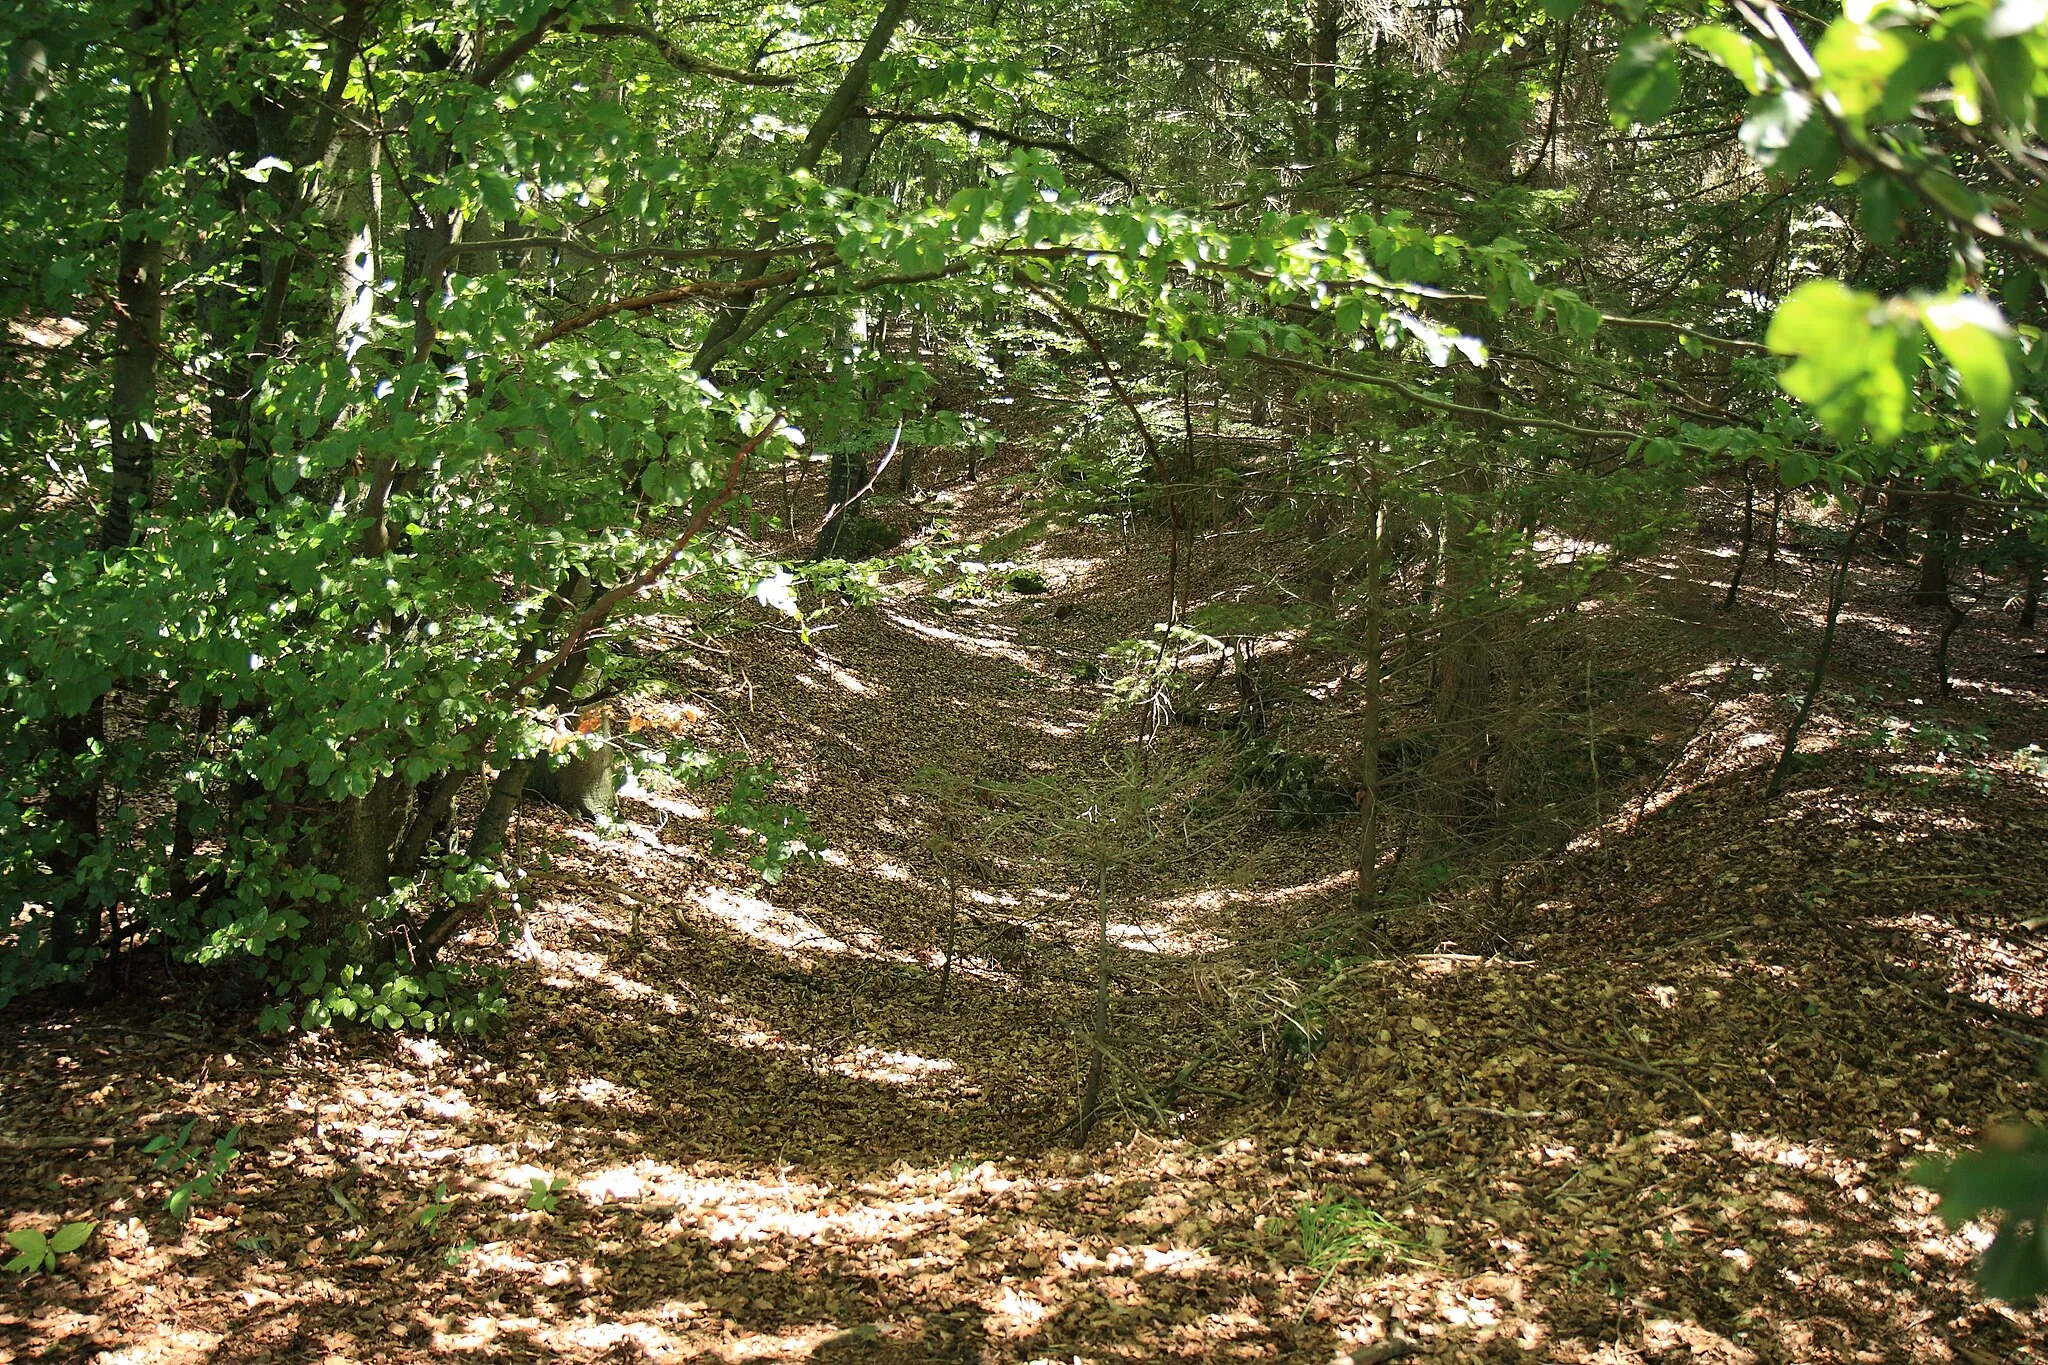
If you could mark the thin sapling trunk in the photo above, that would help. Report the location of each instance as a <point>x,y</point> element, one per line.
<point>1837,592</point>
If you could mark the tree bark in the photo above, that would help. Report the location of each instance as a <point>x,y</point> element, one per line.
<point>1931,589</point>
<point>1837,594</point>
<point>1367,904</point>
<point>74,801</point>
<point>138,320</point>
<point>845,99</point>
<point>1748,533</point>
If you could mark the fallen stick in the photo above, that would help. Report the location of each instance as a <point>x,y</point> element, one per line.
<point>1656,1073</point>
<point>65,1144</point>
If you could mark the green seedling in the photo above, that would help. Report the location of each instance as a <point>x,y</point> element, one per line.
<point>39,1253</point>
<point>175,1155</point>
<point>436,1210</point>
<point>545,1194</point>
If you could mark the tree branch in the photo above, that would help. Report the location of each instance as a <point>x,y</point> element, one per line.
<point>1050,144</point>
<point>488,73</point>
<point>687,63</point>
<point>640,303</point>
<point>593,615</point>
<point>646,253</point>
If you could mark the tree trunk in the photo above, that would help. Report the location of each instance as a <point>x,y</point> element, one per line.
<point>138,325</point>
<point>844,479</point>
<point>1456,793</point>
<point>1950,624</point>
<point>494,821</point>
<point>1895,520</point>
<point>1367,904</point>
<point>1748,533</point>
<point>1091,1085</point>
<point>1837,594</point>
<point>845,103</point>
<point>1931,589</point>
<point>74,800</point>
<point>585,783</point>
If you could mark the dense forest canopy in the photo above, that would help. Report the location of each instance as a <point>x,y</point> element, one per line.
<point>376,373</point>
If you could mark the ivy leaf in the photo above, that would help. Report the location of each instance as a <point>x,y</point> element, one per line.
<point>1974,337</point>
<point>1642,85</point>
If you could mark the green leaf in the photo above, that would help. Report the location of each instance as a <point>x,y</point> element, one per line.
<point>2015,1266</point>
<point>1857,60</point>
<point>2008,1174</point>
<point>1642,85</point>
<point>1925,68</point>
<point>1797,467</point>
<point>498,196</point>
<point>1785,132</point>
<point>29,1241</point>
<point>1743,59</point>
<point>2011,18</point>
<point>71,1237</point>
<point>1975,338</point>
<point>1854,360</point>
<point>1879,202</point>
<point>1561,10</point>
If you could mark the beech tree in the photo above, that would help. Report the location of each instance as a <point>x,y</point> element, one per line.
<point>371,365</point>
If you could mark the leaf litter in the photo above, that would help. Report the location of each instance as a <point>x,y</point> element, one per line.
<point>1652,1101</point>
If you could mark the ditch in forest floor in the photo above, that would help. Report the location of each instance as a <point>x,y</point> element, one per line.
<point>1656,1104</point>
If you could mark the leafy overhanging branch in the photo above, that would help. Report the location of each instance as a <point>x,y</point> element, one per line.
<point>1037,142</point>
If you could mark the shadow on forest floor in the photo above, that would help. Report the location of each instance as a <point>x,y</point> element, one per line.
<point>1654,1100</point>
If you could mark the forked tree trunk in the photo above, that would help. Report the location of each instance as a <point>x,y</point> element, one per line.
<point>1837,594</point>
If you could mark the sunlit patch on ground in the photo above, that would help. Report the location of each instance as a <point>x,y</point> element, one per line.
<point>1651,1107</point>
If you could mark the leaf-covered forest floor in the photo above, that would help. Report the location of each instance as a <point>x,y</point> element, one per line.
<point>1649,1095</point>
